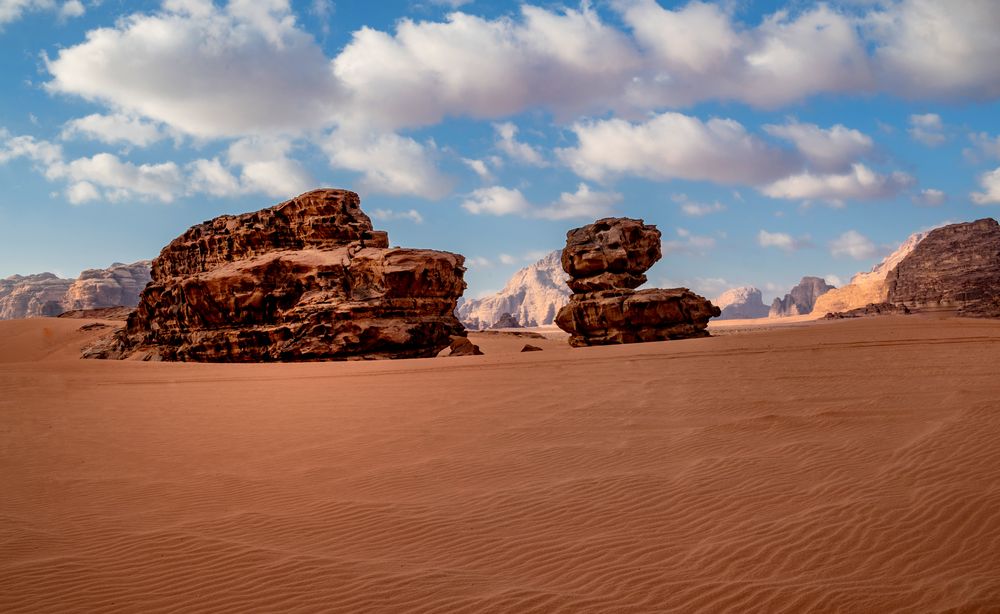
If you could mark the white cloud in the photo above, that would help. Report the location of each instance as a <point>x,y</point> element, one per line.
<point>478,262</point>
<point>113,129</point>
<point>389,163</point>
<point>854,244</point>
<point>206,71</point>
<point>452,4</point>
<point>267,167</point>
<point>860,183</point>
<point>506,259</point>
<point>521,152</point>
<point>122,180</point>
<point>782,240</point>
<point>82,192</point>
<point>211,177</point>
<point>411,215</point>
<point>990,182</point>
<point>479,167</point>
<point>687,242</point>
<point>934,49</point>
<point>40,151</point>
<point>988,145</point>
<point>696,209</point>
<point>833,149</point>
<point>930,197</point>
<point>674,146</point>
<point>12,10</point>
<point>927,128</point>
<point>497,200</point>
<point>584,203</point>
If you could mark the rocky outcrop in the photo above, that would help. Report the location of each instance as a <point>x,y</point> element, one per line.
<point>872,309</point>
<point>101,313</point>
<point>955,268</point>
<point>506,321</point>
<point>533,296</point>
<point>117,285</point>
<point>866,288</point>
<point>606,261</point>
<point>741,303</point>
<point>531,348</point>
<point>308,279</point>
<point>28,296</point>
<point>461,346</point>
<point>802,298</point>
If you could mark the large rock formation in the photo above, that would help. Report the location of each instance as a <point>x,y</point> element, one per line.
<point>32,296</point>
<point>741,303</point>
<point>117,285</point>
<point>307,279</point>
<point>606,261</point>
<point>866,288</point>
<point>46,294</point>
<point>533,296</point>
<point>955,268</point>
<point>802,298</point>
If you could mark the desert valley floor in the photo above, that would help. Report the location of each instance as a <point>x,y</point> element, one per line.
<point>847,466</point>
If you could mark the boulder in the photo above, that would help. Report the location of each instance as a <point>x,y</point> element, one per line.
<point>461,346</point>
<point>606,261</point>
<point>956,268</point>
<point>308,279</point>
<point>506,321</point>
<point>802,298</point>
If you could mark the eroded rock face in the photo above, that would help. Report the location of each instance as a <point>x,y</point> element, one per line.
<point>118,285</point>
<point>606,261</point>
<point>307,279</point>
<point>533,296</point>
<point>741,303</point>
<point>506,321</point>
<point>27,296</point>
<point>801,299</point>
<point>955,268</point>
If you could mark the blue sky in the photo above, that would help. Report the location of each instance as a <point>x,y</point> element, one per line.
<point>767,140</point>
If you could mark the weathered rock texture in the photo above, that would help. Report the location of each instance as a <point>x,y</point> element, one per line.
<point>307,279</point>
<point>866,288</point>
<point>870,310</point>
<point>118,285</point>
<point>506,321</point>
<point>741,303</point>
<point>533,296</point>
<point>802,298</point>
<point>606,261</point>
<point>32,296</point>
<point>955,268</point>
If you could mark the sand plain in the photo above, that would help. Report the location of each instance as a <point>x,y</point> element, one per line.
<point>847,466</point>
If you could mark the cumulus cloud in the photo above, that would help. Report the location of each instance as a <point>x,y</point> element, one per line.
<point>927,128</point>
<point>930,197</point>
<point>113,129</point>
<point>519,151</point>
<point>853,244</point>
<point>860,183</point>
<point>389,163</point>
<point>479,167</point>
<point>12,10</point>
<point>584,203</point>
<point>120,180</point>
<point>827,149</point>
<point>206,71</point>
<point>411,215</point>
<point>696,209</point>
<point>687,242</point>
<point>986,144</point>
<point>674,146</point>
<point>990,182</point>
<point>782,240</point>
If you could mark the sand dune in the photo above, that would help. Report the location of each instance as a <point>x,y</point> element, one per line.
<point>845,466</point>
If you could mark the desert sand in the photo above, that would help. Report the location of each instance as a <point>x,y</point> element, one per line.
<point>848,466</point>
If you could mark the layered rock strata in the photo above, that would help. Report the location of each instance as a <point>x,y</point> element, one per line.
<point>802,298</point>
<point>954,268</point>
<point>308,279</point>
<point>606,261</point>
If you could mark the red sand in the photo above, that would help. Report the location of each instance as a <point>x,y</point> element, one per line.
<point>838,466</point>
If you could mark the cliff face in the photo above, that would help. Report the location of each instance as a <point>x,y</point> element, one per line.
<point>801,299</point>
<point>307,279</point>
<point>46,294</point>
<point>32,296</point>
<point>866,288</point>
<point>741,303</point>
<point>533,296</point>
<point>955,268</point>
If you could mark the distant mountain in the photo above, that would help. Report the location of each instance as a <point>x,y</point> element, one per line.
<point>741,303</point>
<point>46,294</point>
<point>866,288</point>
<point>533,296</point>
<point>801,299</point>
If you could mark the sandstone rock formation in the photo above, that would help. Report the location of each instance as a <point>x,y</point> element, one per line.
<point>533,296</point>
<point>872,309</point>
<point>606,261</point>
<point>741,303</point>
<point>461,346</point>
<point>531,348</point>
<point>117,285</point>
<point>307,279</point>
<point>866,288</point>
<point>954,268</point>
<point>802,298</point>
<point>506,321</point>
<point>32,295</point>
